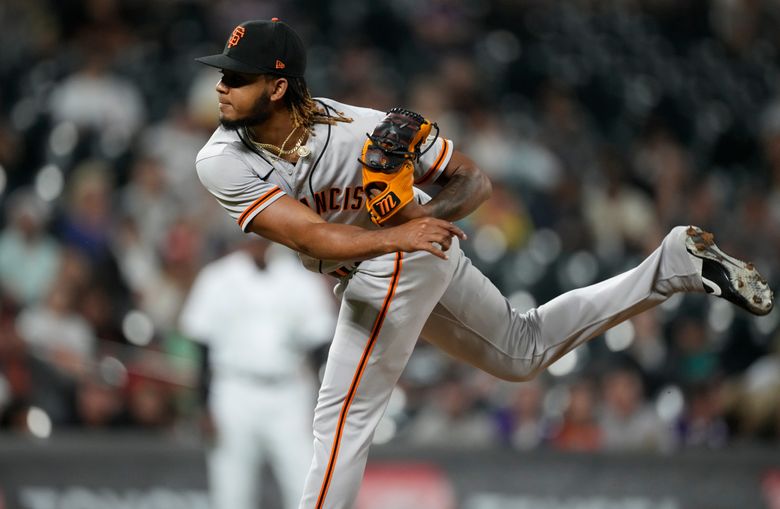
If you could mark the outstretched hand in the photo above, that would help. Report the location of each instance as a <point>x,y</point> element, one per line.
<point>425,234</point>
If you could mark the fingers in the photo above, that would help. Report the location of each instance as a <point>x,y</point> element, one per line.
<point>432,235</point>
<point>454,230</point>
<point>438,241</point>
<point>434,243</point>
<point>431,248</point>
<point>446,232</point>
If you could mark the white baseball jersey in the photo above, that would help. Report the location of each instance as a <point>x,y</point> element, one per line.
<point>328,181</point>
<point>257,321</point>
<point>391,300</point>
<point>259,324</point>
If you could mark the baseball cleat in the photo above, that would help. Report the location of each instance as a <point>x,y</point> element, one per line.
<point>726,277</point>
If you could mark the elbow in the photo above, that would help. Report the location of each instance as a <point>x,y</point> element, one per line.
<point>486,187</point>
<point>476,182</point>
<point>481,187</point>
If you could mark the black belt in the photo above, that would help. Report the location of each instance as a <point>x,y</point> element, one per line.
<point>344,271</point>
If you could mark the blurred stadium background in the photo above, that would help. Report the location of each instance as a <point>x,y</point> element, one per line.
<point>602,125</point>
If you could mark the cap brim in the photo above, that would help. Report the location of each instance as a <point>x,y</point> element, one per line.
<point>223,61</point>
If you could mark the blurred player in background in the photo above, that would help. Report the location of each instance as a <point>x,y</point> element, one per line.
<point>257,316</point>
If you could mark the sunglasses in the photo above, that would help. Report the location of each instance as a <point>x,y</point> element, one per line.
<point>236,80</point>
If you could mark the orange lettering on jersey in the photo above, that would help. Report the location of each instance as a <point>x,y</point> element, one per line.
<point>334,198</point>
<point>321,200</point>
<point>357,202</point>
<point>236,36</point>
<point>305,201</point>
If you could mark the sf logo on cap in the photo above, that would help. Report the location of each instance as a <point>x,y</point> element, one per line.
<point>236,36</point>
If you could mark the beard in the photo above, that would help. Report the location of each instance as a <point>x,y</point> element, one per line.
<point>259,113</point>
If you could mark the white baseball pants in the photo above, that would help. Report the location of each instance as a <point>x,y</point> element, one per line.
<point>392,300</point>
<point>257,423</point>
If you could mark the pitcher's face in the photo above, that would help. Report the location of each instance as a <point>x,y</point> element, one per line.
<point>244,99</point>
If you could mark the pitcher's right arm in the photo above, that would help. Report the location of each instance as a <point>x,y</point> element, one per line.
<point>294,225</point>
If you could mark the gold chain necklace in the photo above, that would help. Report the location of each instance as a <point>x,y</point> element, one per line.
<point>280,151</point>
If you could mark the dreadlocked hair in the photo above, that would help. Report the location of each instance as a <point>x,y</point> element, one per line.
<point>304,110</point>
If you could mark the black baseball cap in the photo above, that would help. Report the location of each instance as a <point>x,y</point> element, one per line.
<point>260,47</point>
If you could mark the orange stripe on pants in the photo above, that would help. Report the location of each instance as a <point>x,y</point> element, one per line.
<point>356,380</point>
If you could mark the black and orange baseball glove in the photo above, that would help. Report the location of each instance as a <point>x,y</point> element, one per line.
<point>388,161</point>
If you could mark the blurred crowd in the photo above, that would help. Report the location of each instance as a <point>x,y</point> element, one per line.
<point>601,123</point>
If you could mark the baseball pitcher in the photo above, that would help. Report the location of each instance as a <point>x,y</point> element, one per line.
<point>339,184</point>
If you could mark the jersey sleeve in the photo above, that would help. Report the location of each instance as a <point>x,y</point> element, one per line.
<point>433,162</point>
<point>240,191</point>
